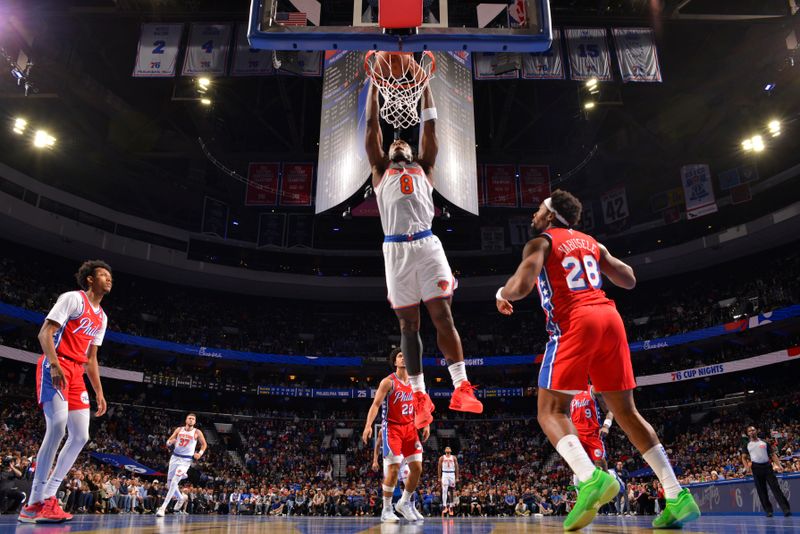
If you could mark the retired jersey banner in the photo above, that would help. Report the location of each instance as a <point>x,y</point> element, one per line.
<point>496,66</point>
<point>547,65</point>
<point>615,205</point>
<point>587,222</point>
<point>158,50</point>
<point>501,186</point>
<point>698,190</point>
<point>588,54</point>
<point>296,181</point>
<point>534,185</point>
<point>637,54</point>
<point>207,51</point>
<point>262,184</point>
<point>250,61</point>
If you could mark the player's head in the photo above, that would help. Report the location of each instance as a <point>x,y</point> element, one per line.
<point>752,431</point>
<point>400,151</point>
<point>396,360</point>
<point>561,209</point>
<point>94,275</point>
<point>191,419</point>
<point>448,451</point>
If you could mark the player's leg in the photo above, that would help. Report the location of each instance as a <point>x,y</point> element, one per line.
<point>172,486</point>
<point>411,346</point>
<point>445,490</point>
<point>77,437</point>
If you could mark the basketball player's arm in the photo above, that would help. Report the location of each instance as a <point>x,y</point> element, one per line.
<point>428,145</point>
<point>456,464</point>
<point>174,437</point>
<point>380,394</point>
<point>609,414</point>
<point>619,272</point>
<point>374,138</point>
<point>377,446</point>
<point>441,460</point>
<point>203,445</point>
<point>46,333</point>
<point>93,372</point>
<point>522,282</point>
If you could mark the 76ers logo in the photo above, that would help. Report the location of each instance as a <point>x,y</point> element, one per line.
<point>84,397</point>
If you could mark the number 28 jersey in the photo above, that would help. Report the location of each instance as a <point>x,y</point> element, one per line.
<point>405,199</point>
<point>570,276</point>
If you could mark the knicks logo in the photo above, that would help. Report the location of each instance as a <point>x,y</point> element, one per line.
<point>443,285</point>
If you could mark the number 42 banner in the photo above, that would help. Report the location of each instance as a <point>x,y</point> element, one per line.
<point>207,52</point>
<point>615,205</point>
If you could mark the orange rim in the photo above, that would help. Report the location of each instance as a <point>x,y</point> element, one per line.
<point>384,82</point>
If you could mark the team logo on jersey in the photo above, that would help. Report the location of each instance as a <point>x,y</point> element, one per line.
<point>84,398</point>
<point>443,285</point>
<point>418,445</point>
<point>598,453</point>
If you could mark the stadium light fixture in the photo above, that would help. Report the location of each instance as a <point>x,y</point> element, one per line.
<point>774,127</point>
<point>591,86</point>
<point>589,105</point>
<point>747,145</point>
<point>19,126</point>
<point>203,84</point>
<point>42,139</point>
<point>758,143</point>
<point>205,101</point>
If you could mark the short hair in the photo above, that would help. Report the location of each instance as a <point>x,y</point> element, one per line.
<point>191,415</point>
<point>567,206</point>
<point>88,269</point>
<point>393,357</point>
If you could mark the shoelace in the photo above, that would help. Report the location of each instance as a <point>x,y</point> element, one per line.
<point>468,387</point>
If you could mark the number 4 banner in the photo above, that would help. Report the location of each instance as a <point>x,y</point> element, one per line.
<point>158,50</point>
<point>615,205</point>
<point>207,52</point>
<point>588,54</point>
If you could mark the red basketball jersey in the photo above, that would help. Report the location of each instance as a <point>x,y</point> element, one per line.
<point>72,340</point>
<point>570,277</point>
<point>585,413</point>
<point>398,407</point>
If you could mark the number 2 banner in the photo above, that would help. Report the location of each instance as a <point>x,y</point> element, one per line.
<point>158,50</point>
<point>588,54</point>
<point>207,52</point>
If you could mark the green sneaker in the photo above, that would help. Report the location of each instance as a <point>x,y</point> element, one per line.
<point>592,494</point>
<point>678,511</point>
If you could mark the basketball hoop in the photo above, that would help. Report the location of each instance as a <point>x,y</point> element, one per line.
<point>400,80</point>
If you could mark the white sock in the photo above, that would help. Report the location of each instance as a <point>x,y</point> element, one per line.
<point>656,458</point>
<point>171,492</point>
<point>458,372</point>
<point>444,496</point>
<point>569,447</point>
<point>77,436</point>
<point>55,416</point>
<point>405,498</point>
<point>387,503</point>
<point>417,383</point>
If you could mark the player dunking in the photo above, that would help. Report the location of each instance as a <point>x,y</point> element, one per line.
<point>185,439</point>
<point>400,439</point>
<point>416,267</point>
<point>448,475</point>
<point>70,335</point>
<point>587,340</point>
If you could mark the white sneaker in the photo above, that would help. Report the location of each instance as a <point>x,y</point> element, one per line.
<point>406,509</point>
<point>387,516</point>
<point>160,512</point>
<point>417,513</point>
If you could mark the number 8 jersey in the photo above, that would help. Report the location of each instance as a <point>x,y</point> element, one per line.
<point>405,200</point>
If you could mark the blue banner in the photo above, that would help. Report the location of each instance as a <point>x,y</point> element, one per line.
<point>333,393</point>
<point>739,496</point>
<point>123,462</point>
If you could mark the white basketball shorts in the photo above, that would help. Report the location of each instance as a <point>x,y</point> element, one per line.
<point>417,270</point>
<point>449,480</point>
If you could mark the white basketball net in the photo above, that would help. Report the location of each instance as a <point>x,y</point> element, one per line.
<point>400,93</point>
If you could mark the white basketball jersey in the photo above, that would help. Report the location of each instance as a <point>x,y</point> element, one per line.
<point>405,200</point>
<point>186,442</point>
<point>449,464</point>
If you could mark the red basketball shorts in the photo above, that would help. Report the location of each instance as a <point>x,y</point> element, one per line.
<point>74,389</point>
<point>590,343</point>
<point>593,446</point>
<point>401,441</point>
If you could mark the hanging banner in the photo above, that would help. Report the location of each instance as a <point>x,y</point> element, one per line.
<point>615,205</point>
<point>481,187</point>
<point>698,190</point>
<point>588,54</point>
<point>534,185</point>
<point>741,193</point>
<point>496,65</point>
<point>637,54</point>
<point>587,222</point>
<point>157,54</point>
<point>262,184</point>
<point>207,51</point>
<point>729,179</point>
<point>501,186</point>
<point>296,180</point>
<point>250,61</point>
<point>303,63</point>
<point>215,218</point>
<point>271,229</point>
<point>666,199</point>
<point>547,65</point>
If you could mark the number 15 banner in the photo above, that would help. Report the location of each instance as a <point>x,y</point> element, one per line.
<point>588,54</point>
<point>207,52</point>
<point>158,50</point>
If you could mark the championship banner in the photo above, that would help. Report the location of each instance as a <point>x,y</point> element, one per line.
<point>262,184</point>
<point>123,462</point>
<point>481,187</point>
<point>698,190</point>
<point>637,54</point>
<point>547,65</point>
<point>496,65</point>
<point>157,53</point>
<point>501,186</point>
<point>615,205</point>
<point>588,54</point>
<point>534,185</point>
<point>207,51</point>
<point>296,181</point>
<point>250,61</point>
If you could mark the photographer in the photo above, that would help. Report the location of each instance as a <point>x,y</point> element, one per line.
<point>10,496</point>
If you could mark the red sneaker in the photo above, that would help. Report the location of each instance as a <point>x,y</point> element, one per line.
<point>52,506</point>
<point>423,408</point>
<point>30,513</point>
<point>463,399</point>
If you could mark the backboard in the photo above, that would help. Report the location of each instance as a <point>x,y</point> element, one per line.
<point>448,25</point>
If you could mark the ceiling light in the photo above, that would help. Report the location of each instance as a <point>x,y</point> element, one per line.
<point>774,127</point>
<point>19,125</point>
<point>205,101</point>
<point>758,143</point>
<point>42,139</point>
<point>588,105</point>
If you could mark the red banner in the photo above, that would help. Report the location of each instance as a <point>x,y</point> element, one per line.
<point>296,184</point>
<point>534,185</point>
<point>481,187</point>
<point>262,184</point>
<point>501,186</point>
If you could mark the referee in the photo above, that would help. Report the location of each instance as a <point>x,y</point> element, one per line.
<point>758,458</point>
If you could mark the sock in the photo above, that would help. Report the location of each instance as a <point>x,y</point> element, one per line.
<point>656,458</point>
<point>569,447</point>
<point>444,496</point>
<point>417,383</point>
<point>55,416</point>
<point>387,503</point>
<point>173,491</point>
<point>405,498</point>
<point>77,436</point>
<point>458,372</point>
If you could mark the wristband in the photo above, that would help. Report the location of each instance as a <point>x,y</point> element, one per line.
<point>607,423</point>
<point>499,294</point>
<point>429,114</point>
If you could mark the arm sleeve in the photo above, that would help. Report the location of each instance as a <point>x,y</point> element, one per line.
<point>98,338</point>
<point>67,306</point>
